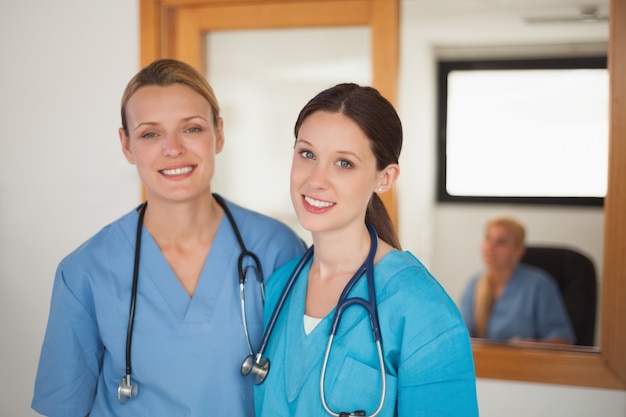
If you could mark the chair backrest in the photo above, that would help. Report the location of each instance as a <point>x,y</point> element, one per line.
<point>575,274</point>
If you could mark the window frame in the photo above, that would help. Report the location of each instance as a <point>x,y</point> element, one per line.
<point>444,67</point>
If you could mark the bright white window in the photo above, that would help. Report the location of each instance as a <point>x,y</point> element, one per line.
<point>532,131</point>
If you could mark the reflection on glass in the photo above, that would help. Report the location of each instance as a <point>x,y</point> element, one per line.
<point>513,300</point>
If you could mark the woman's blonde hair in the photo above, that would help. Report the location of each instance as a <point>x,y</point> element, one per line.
<point>166,72</point>
<point>483,294</point>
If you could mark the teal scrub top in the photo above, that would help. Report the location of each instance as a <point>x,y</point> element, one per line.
<point>186,351</point>
<point>426,347</point>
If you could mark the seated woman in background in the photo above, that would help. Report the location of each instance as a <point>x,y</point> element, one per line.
<point>511,300</point>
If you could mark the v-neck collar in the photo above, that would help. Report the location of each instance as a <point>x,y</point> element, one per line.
<point>308,346</point>
<point>306,352</point>
<point>200,306</point>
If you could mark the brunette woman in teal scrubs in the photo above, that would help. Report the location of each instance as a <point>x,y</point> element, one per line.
<point>348,141</point>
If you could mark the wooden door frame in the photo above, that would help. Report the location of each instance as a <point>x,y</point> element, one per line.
<point>177,28</point>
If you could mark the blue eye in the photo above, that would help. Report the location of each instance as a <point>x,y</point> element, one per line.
<point>344,164</point>
<point>194,130</point>
<point>148,135</point>
<point>307,154</point>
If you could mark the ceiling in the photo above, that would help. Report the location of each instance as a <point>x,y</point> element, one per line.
<point>530,11</point>
<point>457,29</point>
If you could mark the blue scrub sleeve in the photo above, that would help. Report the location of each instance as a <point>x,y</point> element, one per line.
<point>71,356</point>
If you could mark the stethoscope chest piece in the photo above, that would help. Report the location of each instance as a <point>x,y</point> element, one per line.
<point>258,366</point>
<point>127,390</point>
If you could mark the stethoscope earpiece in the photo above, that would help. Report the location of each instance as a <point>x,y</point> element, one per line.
<point>127,390</point>
<point>258,366</point>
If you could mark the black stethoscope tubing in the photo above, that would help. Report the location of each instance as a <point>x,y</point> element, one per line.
<point>369,305</point>
<point>244,251</point>
<point>133,296</point>
<point>240,268</point>
<point>257,364</point>
<point>127,390</point>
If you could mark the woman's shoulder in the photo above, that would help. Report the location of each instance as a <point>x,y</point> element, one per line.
<point>398,262</point>
<point>102,257</point>
<point>403,271</point>
<point>113,235</point>
<point>412,294</point>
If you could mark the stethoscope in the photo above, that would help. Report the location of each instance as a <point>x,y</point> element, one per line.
<point>258,365</point>
<point>127,390</point>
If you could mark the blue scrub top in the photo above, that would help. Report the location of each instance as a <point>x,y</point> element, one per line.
<point>426,348</point>
<point>530,307</point>
<point>186,351</point>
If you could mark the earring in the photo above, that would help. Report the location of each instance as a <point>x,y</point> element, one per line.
<point>380,189</point>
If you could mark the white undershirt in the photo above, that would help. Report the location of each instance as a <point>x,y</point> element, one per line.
<point>310,323</point>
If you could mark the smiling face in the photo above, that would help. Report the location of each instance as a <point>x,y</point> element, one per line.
<point>333,173</point>
<point>172,140</point>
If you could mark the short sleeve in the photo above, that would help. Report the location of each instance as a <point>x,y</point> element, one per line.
<point>70,358</point>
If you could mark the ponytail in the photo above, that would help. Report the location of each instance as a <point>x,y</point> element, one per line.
<point>379,218</point>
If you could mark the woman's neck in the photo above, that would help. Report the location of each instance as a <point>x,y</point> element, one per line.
<point>339,252</point>
<point>184,233</point>
<point>337,257</point>
<point>183,221</point>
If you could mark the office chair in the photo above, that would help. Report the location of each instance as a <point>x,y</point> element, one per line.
<point>575,274</point>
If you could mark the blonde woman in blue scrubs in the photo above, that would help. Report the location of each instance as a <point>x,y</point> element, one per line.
<point>348,141</point>
<point>188,337</point>
<point>510,300</point>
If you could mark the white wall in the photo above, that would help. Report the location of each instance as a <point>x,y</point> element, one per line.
<point>276,80</point>
<point>64,66</point>
<point>62,177</point>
